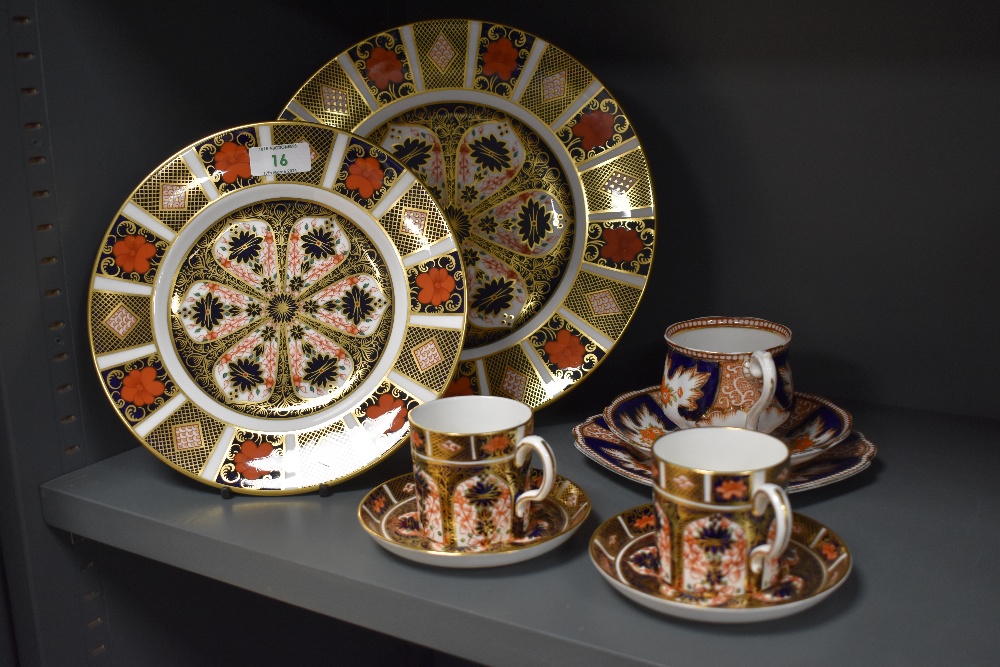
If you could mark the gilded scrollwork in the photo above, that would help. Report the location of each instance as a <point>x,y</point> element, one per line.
<point>381,60</point>
<point>226,158</point>
<point>568,353</point>
<point>281,308</point>
<point>507,199</point>
<point>626,245</point>
<point>130,252</point>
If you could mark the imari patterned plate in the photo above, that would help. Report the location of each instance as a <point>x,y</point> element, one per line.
<point>814,425</point>
<point>843,460</point>
<point>389,514</point>
<point>624,551</point>
<point>269,333</point>
<point>537,169</point>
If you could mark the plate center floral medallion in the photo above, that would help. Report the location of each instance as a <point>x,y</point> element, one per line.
<point>507,198</point>
<point>281,308</point>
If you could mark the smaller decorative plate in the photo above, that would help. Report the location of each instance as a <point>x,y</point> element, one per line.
<point>815,425</point>
<point>389,514</point>
<point>843,460</point>
<point>270,302</point>
<point>624,551</point>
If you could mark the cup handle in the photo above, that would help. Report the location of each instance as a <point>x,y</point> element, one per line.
<point>527,445</point>
<point>761,365</point>
<point>775,495</point>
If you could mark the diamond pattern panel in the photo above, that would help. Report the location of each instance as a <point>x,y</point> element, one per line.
<point>603,184</point>
<point>150,195</point>
<point>626,298</point>
<point>540,94</point>
<point>431,52</point>
<point>102,311</point>
<point>349,110</point>
<point>174,441</point>
<point>425,363</point>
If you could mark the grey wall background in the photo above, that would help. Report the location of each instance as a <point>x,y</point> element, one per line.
<point>830,165</point>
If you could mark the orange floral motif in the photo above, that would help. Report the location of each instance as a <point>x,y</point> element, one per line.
<point>384,68</point>
<point>435,286</point>
<point>497,443</point>
<point>388,405</point>
<point>830,551</point>
<point>132,253</point>
<point>732,489</point>
<point>621,244</point>
<point>365,175</point>
<point>594,129</point>
<point>379,504</point>
<point>650,434</point>
<point>140,387</point>
<point>645,521</point>
<point>416,439</point>
<point>250,451</point>
<point>801,443</point>
<point>232,162</point>
<point>500,59</point>
<point>460,386</point>
<point>566,351</point>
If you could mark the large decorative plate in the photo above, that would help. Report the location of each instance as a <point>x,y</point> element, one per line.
<point>269,333</point>
<point>538,171</point>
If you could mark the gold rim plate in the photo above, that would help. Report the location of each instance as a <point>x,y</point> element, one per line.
<point>267,330</point>
<point>537,169</point>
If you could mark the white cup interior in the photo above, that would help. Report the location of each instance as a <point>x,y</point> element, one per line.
<point>720,449</point>
<point>727,339</point>
<point>470,414</point>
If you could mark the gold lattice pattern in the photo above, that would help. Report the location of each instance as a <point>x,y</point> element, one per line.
<point>393,222</point>
<point>177,438</point>
<point>425,354</point>
<point>557,82</point>
<point>335,100</point>
<point>511,374</point>
<point>161,194</point>
<point>413,221</point>
<point>447,447</point>
<point>602,303</point>
<point>626,298</point>
<point>110,315</point>
<point>347,107</point>
<point>604,184</point>
<point>435,41</point>
<point>320,140</point>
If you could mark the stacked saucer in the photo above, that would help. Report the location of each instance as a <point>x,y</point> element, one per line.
<point>824,448</point>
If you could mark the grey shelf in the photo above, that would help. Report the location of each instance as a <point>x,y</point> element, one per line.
<point>921,523</point>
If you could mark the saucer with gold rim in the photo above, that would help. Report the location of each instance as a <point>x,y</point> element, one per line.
<point>389,514</point>
<point>623,549</point>
<point>843,460</point>
<point>815,423</point>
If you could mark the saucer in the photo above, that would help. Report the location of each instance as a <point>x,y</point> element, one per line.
<point>389,514</point>
<point>624,551</point>
<point>843,460</point>
<point>815,424</point>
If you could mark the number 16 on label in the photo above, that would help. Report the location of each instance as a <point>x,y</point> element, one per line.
<point>280,159</point>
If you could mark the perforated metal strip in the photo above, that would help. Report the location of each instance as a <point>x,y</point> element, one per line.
<point>57,327</point>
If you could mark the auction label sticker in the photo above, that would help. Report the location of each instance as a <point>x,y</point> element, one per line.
<point>280,159</point>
